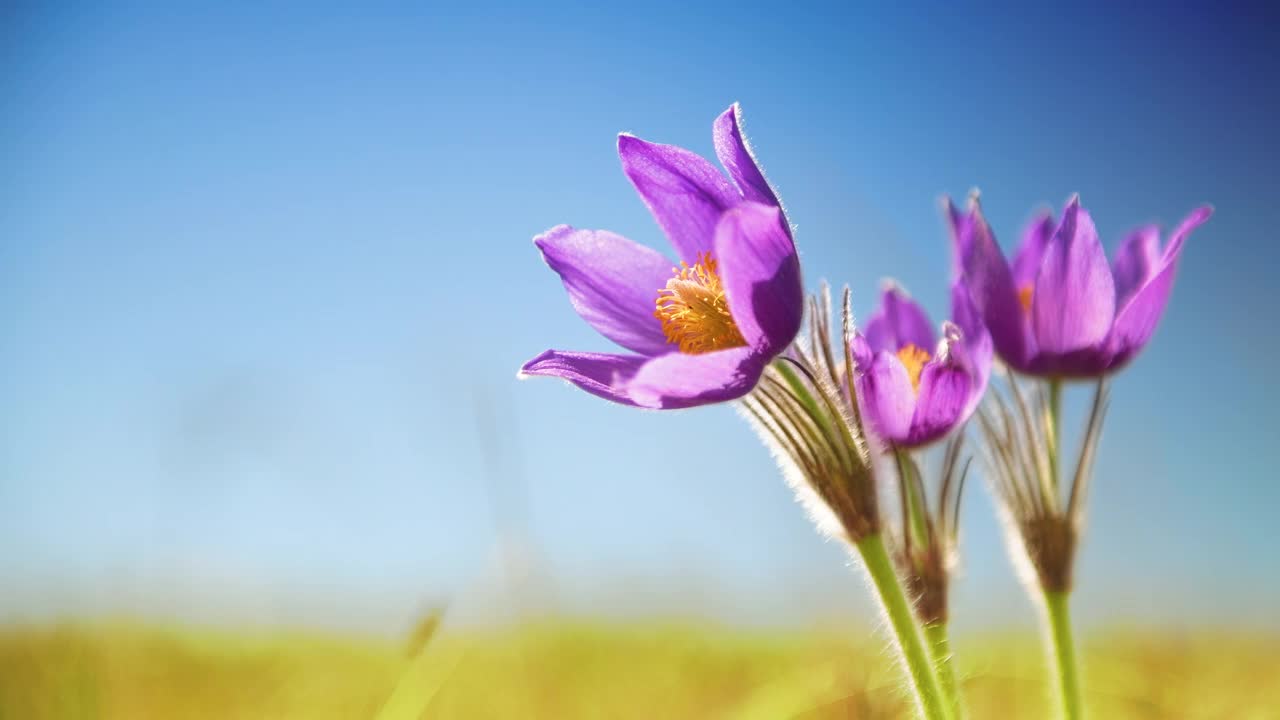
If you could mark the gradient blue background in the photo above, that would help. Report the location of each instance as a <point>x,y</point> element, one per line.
<point>266,279</point>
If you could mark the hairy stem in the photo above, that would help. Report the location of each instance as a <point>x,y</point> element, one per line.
<point>1055,433</point>
<point>924,682</point>
<point>940,649</point>
<point>1064,653</point>
<point>914,516</point>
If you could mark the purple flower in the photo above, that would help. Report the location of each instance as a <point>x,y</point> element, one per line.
<point>912,388</point>
<point>1060,310</point>
<point>698,333</point>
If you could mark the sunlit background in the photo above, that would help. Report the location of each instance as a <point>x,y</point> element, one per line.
<point>266,279</point>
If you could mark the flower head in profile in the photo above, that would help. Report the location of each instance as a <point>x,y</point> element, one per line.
<point>1060,310</point>
<point>913,387</point>
<point>700,331</point>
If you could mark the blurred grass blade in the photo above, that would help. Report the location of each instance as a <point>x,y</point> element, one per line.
<point>428,670</point>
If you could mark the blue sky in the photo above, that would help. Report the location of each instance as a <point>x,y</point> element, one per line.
<point>265,280</point>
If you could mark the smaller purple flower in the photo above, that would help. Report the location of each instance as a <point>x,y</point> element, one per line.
<point>1060,310</point>
<point>700,332</point>
<point>912,387</point>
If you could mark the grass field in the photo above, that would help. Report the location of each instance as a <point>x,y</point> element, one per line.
<point>566,669</point>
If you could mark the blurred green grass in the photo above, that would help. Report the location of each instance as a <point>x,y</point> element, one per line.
<point>578,669</point>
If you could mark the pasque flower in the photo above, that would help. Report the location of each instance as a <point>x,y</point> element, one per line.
<point>1060,310</point>
<point>914,388</point>
<point>806,411</point>
<point>700,332</point>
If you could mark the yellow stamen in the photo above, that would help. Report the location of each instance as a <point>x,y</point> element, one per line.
<point>914,359</point>
<point>693,309</point>
<point>1024,297</point>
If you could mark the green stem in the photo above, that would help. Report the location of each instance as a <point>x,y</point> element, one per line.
<point>915,521</point>
<point>924,682</point>
<point>1064,653</point>
<point>940,648</point>
<point>1055,435</point>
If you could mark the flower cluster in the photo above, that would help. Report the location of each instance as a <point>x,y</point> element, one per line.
<point>853,412</point>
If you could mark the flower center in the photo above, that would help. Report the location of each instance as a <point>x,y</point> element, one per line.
<point>1024,297</point>
<point>693,309</point>
<point>914,359</point>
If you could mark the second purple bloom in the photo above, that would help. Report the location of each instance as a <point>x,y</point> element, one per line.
<point>913,387</point>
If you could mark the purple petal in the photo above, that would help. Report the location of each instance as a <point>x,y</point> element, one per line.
<point>736,156</point>
<point>1083,364</point>
<point>761,275</point>
<point>1197,218</point>
<point>966,317</point>
<point>1035,239</point>
<point>1136,261</point>
<point>940,407</point>
<point>888,401</point>
<point>612,283</point>
<point>899,321</point>
<point>1137,320</point>
<point>685,193</point>
<point>679,380</point>
<point>990,284</point>
<point>863,355</point>
<point>975,351</point>
<point>602,374</point>
<point>1073,304</point>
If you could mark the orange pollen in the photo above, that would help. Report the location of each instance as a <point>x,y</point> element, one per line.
<point>693,309</point>
<point>1024,297</point>
<point>914,359</point>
